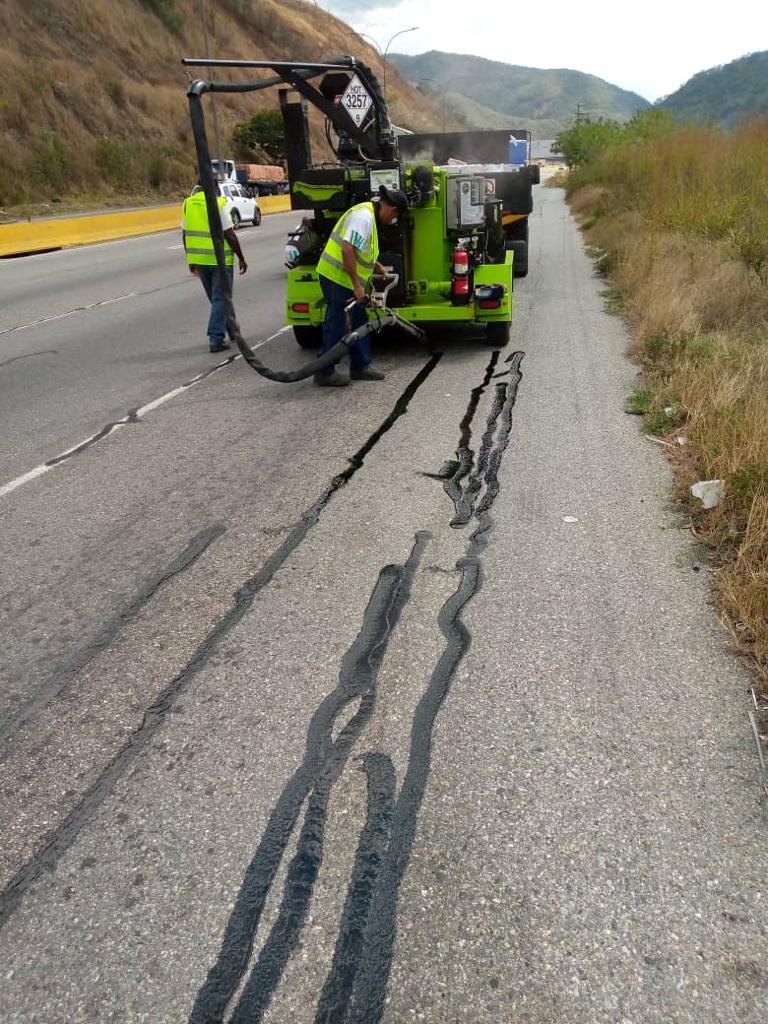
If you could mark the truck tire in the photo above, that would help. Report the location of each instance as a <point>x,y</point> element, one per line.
<point>497,334</point>
<point>235,219</point>
<point>520,249</point>
<point>308,337</point>
<point>514,190</point>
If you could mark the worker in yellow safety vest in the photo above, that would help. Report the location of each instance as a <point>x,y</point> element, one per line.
<point>198,245</point>
<point>347,262</point>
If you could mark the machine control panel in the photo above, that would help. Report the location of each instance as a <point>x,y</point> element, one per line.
<point>465,207</point>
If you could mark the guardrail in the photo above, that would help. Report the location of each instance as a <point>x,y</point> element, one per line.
<point>42,235</point>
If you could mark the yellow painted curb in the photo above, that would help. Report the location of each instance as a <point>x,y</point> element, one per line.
<point>37,235</point>
<point>275,204</point>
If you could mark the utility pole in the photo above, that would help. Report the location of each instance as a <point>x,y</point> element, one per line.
<point>206,46</point>
<point>443,90</point>
<point>579,113</point>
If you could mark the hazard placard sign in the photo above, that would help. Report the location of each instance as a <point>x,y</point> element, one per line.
<point>357,100</point>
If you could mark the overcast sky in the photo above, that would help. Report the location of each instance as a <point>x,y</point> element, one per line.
<point>650,48</point>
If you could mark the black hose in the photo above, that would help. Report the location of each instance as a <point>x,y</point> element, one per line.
<point>217,235</point>
<point>333,355</point>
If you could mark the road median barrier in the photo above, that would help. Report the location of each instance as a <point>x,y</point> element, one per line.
<point>43,235</point>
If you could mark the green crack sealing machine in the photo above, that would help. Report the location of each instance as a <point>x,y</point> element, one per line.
<point>450,258</point>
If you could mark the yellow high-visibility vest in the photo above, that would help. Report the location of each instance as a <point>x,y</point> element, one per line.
<point>331,264</point>
<point>197,233</point>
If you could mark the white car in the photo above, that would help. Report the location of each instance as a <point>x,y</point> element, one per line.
<point>239,204</point>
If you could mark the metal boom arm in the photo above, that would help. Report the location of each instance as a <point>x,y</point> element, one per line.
<point>378,139</point>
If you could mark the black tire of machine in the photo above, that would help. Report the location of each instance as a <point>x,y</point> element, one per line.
<point>517,233</point>
<point>534,173</point>
<point>235,219</point>
<point>308,337</point>
<point>497,334</point>
<point>520,249</point>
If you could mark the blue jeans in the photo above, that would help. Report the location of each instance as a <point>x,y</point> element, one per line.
<point>334,327</point>
<point>217,322</point>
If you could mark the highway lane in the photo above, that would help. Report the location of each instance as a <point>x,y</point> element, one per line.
<point>32,287</point>
<point>269,678</point>
<point>141,334</point>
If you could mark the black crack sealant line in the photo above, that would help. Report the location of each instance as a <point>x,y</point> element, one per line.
<point>366,1004</point>
<point>324,761</point>
<point>197,546</point>
<point>61,838</point>
<point>388,318</point>
<point>354,991</point>
<point>465,456</point>
<point>335,997</point>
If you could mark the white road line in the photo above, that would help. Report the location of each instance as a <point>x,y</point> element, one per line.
<point>69,312</point>
<point>83,444</point>
<point>57,460</point>
<point>164,398</point>
<point>31,475</point>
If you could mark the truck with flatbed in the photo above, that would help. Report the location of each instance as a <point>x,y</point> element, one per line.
<point>256,179</point>
<point>262,179</point>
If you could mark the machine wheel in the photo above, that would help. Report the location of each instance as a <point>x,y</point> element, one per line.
<point>520,249</point>
<point>498,334</point>
<point>535,173</point>
<point>235,219</point>
<point>257,217</point>
<point>308,337</point>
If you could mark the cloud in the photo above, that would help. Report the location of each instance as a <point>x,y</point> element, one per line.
<point>662,46</point>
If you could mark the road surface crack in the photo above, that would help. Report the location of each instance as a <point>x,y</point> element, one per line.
<point>62,837</point>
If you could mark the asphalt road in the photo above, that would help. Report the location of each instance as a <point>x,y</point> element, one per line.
<point>298,725</point>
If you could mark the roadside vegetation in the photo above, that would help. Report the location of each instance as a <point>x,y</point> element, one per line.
<point>677,217</point>
<point>93,110</point>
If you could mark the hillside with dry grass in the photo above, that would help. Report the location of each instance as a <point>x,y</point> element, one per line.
<point>92,99</point>
<point>680,226</point>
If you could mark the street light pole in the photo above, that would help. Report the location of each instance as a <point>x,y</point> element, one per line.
<point>402,32</point>
<point>370,39</point>
<point>383,54</point>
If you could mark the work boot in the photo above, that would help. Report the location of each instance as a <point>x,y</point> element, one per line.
<point>367,373</point>
<point>333,380</point>
<point>219,346</point>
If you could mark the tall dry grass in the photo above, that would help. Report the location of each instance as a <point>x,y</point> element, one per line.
<point>682,226</point>
<point>92,98</point>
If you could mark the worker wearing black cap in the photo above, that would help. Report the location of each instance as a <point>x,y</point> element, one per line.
<point>349,259</point>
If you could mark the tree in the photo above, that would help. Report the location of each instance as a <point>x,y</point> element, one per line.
<point>168,13</point>
<point>264,130</point>
<point>586,139</point>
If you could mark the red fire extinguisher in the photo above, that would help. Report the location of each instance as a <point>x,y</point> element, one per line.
<point>460,283</point>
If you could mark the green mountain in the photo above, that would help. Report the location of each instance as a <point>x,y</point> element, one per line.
<point>724,95</point>
<point>543,100</point>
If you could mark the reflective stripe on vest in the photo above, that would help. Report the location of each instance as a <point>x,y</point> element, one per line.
<point>201,252</point>
<point>331,263</point>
